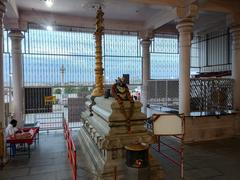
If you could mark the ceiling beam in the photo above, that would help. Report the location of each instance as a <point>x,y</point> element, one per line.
<point>44,19</point>
<point>229,6</point>
<point>12,10</point>
<point>172,3</point>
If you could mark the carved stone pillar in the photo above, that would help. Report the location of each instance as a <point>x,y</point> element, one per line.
<point>17,76</point>
<point>184,27</point>
<point>145,72</point>
<point>2,113</point>
<point>2,116</point>
<point>235,32</point>
<point>146,37</point>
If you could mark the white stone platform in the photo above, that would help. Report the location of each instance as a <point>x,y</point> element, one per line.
<point>105,134</point>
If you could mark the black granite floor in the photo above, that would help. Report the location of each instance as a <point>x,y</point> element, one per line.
<point>216,160</point>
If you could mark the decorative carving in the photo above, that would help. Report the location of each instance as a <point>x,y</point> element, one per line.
<point>91,105</point>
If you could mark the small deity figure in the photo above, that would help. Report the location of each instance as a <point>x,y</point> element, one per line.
<point>120,91</point>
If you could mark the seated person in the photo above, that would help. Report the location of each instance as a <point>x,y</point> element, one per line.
<point>10,131</point>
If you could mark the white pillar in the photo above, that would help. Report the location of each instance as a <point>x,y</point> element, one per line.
<point>3,156</point>
<point>2,114</point>
<point>185,34</point>
<point>235,32</point>
<point>145,72</point>
<point>17,77</point>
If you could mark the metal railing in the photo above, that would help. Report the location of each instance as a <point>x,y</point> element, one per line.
<point>212,94</point>
<point>163,93</point>
<point>71,149</point>
<point>46,121</point>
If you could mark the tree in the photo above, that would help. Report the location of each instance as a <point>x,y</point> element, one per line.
<point>57,91</point>
<point>82,89</point>
<point>69,90</point>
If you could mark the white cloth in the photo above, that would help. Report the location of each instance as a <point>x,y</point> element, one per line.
<point>10,130</point>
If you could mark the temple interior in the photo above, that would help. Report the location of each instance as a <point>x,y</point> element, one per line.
<point>120,90</point>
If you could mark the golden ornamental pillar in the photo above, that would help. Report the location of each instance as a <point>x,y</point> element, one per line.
<point>99,88</point>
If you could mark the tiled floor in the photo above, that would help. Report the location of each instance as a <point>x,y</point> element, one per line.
<point>48,161</point>
<point>217,160</point>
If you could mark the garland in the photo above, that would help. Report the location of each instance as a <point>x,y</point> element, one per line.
<point>120,97</point>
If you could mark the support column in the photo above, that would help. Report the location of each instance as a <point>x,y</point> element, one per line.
<point>184,27</point>
<point>2,114</point>
<point>17,77</point>
<point>235,32</point>
<point>145,72</point>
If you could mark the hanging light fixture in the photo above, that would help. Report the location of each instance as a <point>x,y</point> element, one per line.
<point>49,3</point>
<point>49,28</point>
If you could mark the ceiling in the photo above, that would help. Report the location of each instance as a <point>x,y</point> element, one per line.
<point>152,13</point>
<point>113,9</point>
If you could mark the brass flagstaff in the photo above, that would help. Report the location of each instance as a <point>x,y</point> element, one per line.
<point>99,89</point>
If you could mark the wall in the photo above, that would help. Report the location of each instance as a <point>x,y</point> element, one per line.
<point>205,128</point>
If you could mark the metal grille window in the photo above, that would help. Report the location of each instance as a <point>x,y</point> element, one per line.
<point>7,69</point>
<point>194,57</point>
<point>46,52</point>
<point>42,69</point>
<point>164,57</point>
<point>6,60</point>
<point>7,63</point>
<point>122,56</point>
<point>213,51</point>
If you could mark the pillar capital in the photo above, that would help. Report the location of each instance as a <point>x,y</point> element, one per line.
<point>235,29</point>
<point>235,33</point>
<point>190,11</point>
<point>185,25</point>
<point>185,18</point>
<point>233,19</point>
<point>146,35</point>
<point>146,42</point>
<point>16,34</point>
